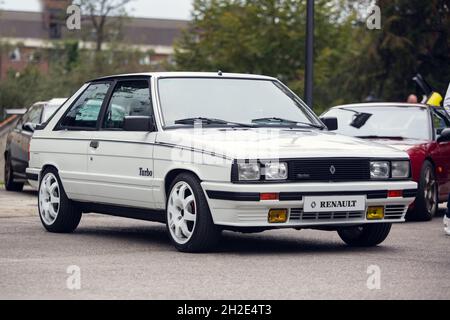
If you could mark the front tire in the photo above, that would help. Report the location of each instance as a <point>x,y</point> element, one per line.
<point>10,185</point>
<point>368,235</point>
<point>189,222</point>
<point>426,204</point>
<point>58,214</point>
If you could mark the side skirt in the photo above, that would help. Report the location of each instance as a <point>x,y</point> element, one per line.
<point>125,212</point>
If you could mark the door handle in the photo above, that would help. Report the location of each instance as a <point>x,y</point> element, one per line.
<point>94,144</point>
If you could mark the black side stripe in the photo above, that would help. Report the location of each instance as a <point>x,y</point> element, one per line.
<point>159,144</point>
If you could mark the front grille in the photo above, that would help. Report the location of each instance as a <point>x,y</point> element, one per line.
<point>394,212</point>
<point>297,215</point>
<point>333,169</point>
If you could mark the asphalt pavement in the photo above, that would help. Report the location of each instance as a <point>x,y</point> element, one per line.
<point>116,258</point>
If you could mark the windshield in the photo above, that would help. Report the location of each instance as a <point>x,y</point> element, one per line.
<point>383,122</point>
<point>237,101</point>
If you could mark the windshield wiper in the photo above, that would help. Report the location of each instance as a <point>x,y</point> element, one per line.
<point>202,120</point>
<point>275,120</point>
<point>381,137</point>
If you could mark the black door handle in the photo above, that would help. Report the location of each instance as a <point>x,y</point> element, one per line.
<point>94,144</point>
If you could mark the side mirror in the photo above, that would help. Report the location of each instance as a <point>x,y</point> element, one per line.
<point>444,136</point>
<point>331,123</point>
<point>138,123</point>
<point>29,127</point>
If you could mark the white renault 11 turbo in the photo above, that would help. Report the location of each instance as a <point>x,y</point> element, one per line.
<point>207,152</point>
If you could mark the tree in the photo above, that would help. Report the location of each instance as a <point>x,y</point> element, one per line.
<point>105,16</point>
<point>415,37</point>
<point>266,37</point>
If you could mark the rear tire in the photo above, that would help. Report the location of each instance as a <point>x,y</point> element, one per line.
<point>426,204</point>
<point>10,185</point>
<point>368,235</point>
<point>57,212</point>
<point>189,222</point>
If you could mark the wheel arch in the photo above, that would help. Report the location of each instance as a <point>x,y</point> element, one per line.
<point>172,174</point>
<point>47,166</point>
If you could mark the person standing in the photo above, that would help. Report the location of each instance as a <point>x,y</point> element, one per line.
<point>447,215</point>
<point>447,101</point>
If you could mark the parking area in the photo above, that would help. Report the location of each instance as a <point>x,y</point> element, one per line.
<point>121,258</point>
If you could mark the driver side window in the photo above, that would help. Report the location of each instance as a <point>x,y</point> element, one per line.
<point>85,111</point>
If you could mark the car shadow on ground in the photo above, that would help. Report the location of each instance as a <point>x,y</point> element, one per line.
<point>231,242</point>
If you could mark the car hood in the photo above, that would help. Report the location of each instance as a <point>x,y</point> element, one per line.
<point>404,144</point>
<point>264,143</point>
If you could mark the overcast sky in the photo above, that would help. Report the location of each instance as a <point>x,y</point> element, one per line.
<point>171,9</point>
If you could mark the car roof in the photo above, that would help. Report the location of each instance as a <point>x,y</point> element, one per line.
<point>381,104</point>
<point>188,74</point>
<point>56,101</point>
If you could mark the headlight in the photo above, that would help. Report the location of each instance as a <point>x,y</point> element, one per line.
<point>276,171</point>
<point>248,171</point>
<point>379,170</point>
<point>400,169</point>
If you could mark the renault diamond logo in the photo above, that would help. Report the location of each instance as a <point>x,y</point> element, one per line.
<point>332,170</point>
<point>313,204</point>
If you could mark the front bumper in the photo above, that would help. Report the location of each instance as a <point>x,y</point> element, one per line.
<point>238,205</point>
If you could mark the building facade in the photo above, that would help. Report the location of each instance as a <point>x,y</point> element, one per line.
<point>25,35</point>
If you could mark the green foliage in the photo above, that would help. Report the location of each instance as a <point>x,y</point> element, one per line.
<point>415,37</point>
<point>351,61</point>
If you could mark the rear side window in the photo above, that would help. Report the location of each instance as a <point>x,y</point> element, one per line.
<point>129,98</point>
<point>34,115</point>
<point>85,111</point>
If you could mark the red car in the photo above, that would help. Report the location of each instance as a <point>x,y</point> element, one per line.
<point>420,130</point>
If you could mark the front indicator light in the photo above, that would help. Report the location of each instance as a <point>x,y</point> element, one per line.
<point>395,193</point>
<point>278,215</point>
<point>375,213</point>
<point>268,196</point>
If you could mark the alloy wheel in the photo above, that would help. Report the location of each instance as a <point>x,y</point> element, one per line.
<point>181,212</point>
<point>430,191</point>
<point>49,198</point>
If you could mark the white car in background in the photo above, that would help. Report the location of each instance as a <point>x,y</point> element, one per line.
<point>206,152</point>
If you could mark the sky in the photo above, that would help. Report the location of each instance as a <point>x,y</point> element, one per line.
<point>169,9</point>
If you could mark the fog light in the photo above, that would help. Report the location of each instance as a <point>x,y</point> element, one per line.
<point>375,213</point>
<point>277,215</point>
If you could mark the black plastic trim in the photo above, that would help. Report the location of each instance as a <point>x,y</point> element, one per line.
<point>291,196</point>
<point>122,211</point>
<point>32,176</point>
<point>233,196</point>
<point>410,193</point>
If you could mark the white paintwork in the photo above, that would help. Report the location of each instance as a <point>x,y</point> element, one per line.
<point>110,174</point>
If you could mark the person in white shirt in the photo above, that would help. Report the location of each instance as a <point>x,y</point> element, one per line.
<point>447,101</point>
